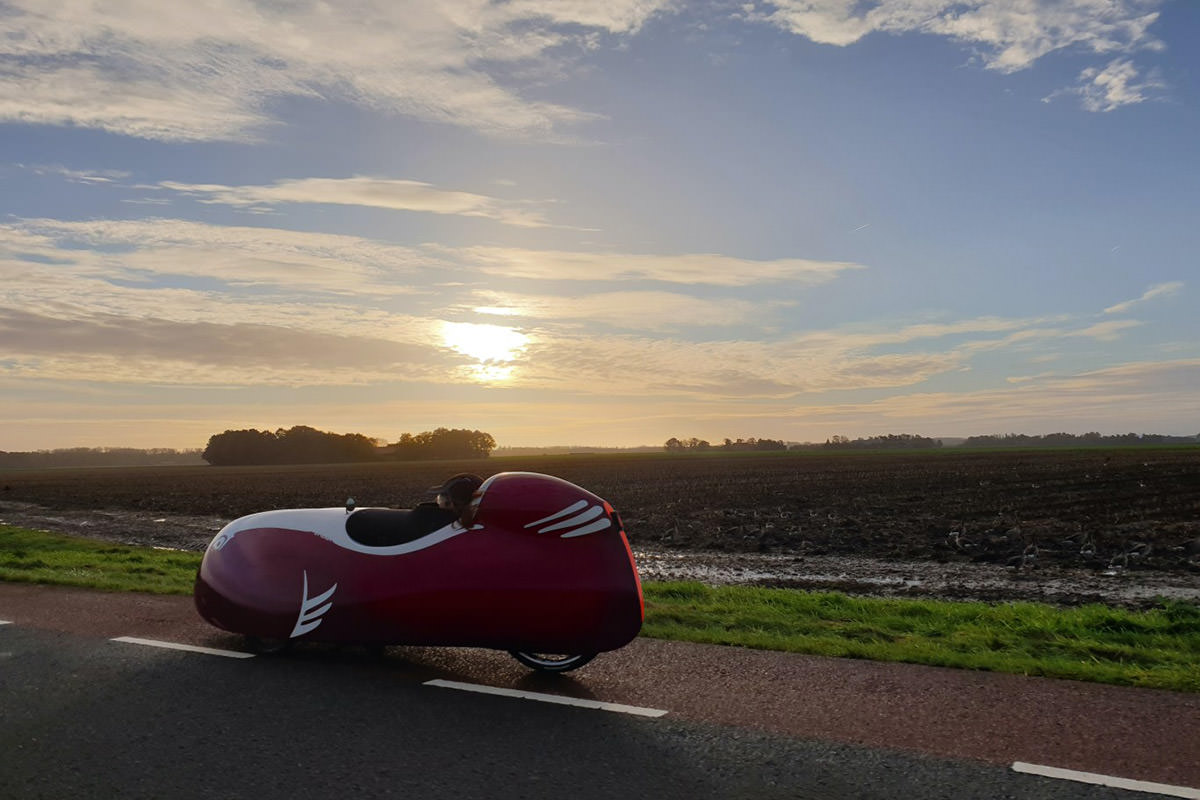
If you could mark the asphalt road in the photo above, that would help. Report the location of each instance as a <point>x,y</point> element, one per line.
<point>84,716</point>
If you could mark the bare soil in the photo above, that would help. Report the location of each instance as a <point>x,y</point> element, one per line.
<point>1066,527</point>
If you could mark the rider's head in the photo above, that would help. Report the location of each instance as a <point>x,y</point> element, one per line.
<point>456,495</point>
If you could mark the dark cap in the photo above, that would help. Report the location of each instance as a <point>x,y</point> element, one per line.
<point>458,488</point>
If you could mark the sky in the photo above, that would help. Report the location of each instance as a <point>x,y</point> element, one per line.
<point>581,223</point>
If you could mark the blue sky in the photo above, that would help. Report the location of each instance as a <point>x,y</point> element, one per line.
<point>597,223</point>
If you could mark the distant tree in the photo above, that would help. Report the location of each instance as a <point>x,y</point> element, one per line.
<point>298,445</point>
<point>444,443</point>
<point>240,447</point>
<point>891,441</point>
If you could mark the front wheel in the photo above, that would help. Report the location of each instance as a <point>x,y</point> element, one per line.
<point>545,662</point>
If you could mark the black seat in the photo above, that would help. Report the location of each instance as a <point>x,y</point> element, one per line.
<point>383,527</point>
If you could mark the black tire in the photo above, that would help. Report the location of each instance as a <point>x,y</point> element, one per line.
<point>546,662</point>
<point>267,647</point>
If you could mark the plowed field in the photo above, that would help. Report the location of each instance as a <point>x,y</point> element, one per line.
<point>1128,509</point>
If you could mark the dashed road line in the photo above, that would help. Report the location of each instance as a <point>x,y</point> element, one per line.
<point>1107,780</point>
<point>548,698</point>
<point>190,648</point>
<point>5,622</point>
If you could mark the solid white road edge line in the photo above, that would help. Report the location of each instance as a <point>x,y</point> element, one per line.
<point>191,648</point>
<point>1107,780</point>
<point>548,698</point>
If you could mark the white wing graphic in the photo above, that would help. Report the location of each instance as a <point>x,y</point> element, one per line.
<point>581,524</point>
<point>311,609</point>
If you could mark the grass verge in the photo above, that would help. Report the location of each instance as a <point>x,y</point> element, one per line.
<point>35,557</point>
<point>1157,648</point>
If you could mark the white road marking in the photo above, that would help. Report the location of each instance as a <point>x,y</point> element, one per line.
<point>549,698</point>
<point>5,622</point>
<point>191,648</point>
<point>1107,780</point>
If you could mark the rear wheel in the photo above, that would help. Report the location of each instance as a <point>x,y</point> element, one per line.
<point>547,662</point>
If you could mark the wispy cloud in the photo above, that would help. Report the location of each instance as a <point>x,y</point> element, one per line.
<point>1106,331</point>
<point>397,195</point>
<point>1011,36</point>
<point>1120,83</point>
<point>694,268</point>
<point>1122,397</point>
<point>109,348</point>
<point>76,175</point>
<point>1007,36</point>
<point>128,301</point>
<point>145,250</point>
<point>645,311</point>
<point>1157,290</point>
<point>210,69</point>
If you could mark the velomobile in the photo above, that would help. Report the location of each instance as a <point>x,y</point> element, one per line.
<point>532,564</point>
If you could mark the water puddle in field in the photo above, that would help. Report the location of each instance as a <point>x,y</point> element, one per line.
<point>955,580</point>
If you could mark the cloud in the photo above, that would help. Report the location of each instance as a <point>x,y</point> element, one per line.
<point>397,195</point>
<point>147,250</point>
<point>1106,331</point>
<point>647,311</point>
<point>1132,396</point>
<point>1118,84</point>
<point>1006,36</point>
<point>1157,290</point>
<point>211,69</point>
<point>155,351</point>
<point>704,268</point>
<point>630,365</point>
<point>75,175</point>
<point>175,302</point>
<point>1010,36</point>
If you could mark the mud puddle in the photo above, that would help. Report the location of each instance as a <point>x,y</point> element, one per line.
<point>957,581</point>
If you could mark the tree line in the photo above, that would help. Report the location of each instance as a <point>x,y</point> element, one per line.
<point>674,445</point>
<point>304,445</point>
<point>889,441</point>
<point>1091,439</point>
<point>908,441</point>
<point>98,457</point>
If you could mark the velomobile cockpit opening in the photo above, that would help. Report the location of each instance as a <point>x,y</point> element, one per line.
<point>385,527</point>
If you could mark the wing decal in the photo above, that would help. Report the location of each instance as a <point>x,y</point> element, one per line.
<point>595,527</point>
<point>581,524</point>
<point>311,609</point>
<point>571,509</point>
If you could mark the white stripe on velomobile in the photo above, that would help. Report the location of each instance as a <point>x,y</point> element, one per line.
<point>578,519</point>
<point>571,509</point>
<point>329,524</point>
<point>1106,780</point>
<point>595,527</point>
<point>310,615</point>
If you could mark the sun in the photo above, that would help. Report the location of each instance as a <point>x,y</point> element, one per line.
<point>493,346</point>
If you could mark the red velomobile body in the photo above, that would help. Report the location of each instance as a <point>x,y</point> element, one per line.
<point>544,567</point>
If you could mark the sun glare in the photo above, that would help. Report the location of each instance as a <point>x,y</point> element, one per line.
<point>493,346</point>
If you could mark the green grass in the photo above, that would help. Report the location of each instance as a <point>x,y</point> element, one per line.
<point>1157,648</point>
<point>36,557</point>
